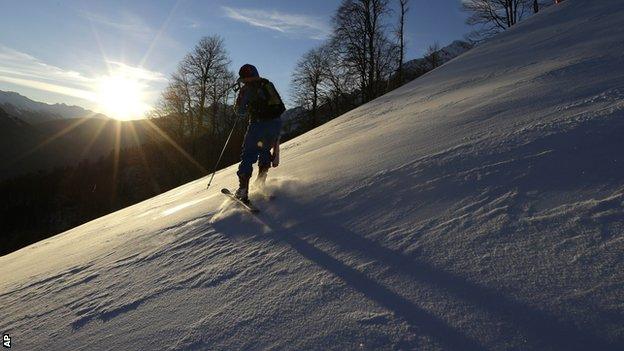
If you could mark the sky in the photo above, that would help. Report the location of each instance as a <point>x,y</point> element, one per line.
<point>94,53</point>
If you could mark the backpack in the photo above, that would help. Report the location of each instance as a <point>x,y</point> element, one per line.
<point>265,102</point>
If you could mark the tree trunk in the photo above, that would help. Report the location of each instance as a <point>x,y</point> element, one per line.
<point>314,105</point>
<point>215,109</point>
<point>400,33</point>
<point>371,48</point>
<point>401,42</point>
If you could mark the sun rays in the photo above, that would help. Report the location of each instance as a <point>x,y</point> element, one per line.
<point>52,138</point>
<point>177,147</point>
<point>121,91</point>
<point>146,165</point>
<point>121,96</point>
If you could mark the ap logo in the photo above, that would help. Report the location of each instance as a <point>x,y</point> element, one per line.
<point>6,341</point>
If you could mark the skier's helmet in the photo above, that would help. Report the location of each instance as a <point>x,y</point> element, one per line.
<point>248,71</point>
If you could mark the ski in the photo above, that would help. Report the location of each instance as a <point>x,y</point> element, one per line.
<point>251,208</point>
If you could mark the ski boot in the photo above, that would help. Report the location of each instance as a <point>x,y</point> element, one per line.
<point>243,189</point>
<point>262,175</point>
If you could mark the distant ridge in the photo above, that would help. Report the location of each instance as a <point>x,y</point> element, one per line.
<point>445,54</point>
<point>35,112</point>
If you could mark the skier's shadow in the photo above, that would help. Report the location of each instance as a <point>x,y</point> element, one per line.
<point>400,306</point>
<point>541,329</point>
<point>415,316</point>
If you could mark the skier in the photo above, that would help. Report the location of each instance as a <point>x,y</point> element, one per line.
<point>260,102</point>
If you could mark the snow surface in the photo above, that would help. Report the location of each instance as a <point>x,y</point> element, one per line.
<point>480,207</point>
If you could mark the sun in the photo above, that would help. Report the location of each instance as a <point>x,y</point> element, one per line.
<point>121,97</point>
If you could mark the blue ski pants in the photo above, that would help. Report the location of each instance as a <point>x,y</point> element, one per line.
<point>260,137</point>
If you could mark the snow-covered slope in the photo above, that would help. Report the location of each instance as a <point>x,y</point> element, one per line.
<point>480,207</point>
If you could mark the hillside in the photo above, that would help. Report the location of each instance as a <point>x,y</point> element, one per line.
<point>38,136</point>
<point>9,122</point>
<point>56,143</point>
<point>479,207</point>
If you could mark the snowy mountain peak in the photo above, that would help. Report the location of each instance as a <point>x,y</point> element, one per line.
<point>443,55</point>
<point>457,48</point>
<point>35,112</point>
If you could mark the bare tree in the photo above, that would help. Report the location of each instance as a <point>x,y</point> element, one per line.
<point>493,16</point>
<point>432,56</point>
<point>340,84</point>
<point>401,35</point>
<point>202,68</point>
<point>307,79</point>
<point>373,10</point>
<point>175,107</point>
<point>219,96</point>
<point>184,90</point>
<point>357,27</point>
<point>349,41</point>
<point>195,99</point>
<point>386,63</point>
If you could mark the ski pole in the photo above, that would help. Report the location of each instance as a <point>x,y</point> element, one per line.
<point>236,87</point>
<point>221,155</point>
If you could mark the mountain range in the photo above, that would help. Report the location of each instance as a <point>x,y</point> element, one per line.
<point>443,55</point>
<point>34,112</point>
<point>37,136</point>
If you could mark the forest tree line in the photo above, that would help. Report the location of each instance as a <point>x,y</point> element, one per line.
<point>364,55</point>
